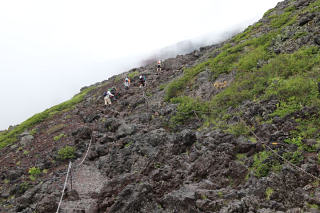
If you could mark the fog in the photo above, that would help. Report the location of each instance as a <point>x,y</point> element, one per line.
<point>50,49</point>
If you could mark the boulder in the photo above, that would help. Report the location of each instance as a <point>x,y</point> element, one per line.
<point>183,140</point>
<point>82,133</point>
<point>156,137</point>
<point>47,205</point>
<point>181,200</point>
<point>125,130</point>
<point>243,145</point>
<point>90,118</point>
<point>72,195</point>
<point>26,139</point>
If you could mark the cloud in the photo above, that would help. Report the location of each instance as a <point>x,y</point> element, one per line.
<point>50,49</point>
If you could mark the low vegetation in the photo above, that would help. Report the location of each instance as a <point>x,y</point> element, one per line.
<point>58,137</point>
<point>131,75</point>
<point>9,137</point>
<point>67,152</point>
<point>34,172</point>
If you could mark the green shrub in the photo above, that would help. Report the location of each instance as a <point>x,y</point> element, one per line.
<point>162,86</point>
<point>299,62</point>
<point>67,152</point>
<point>294,157</point>
<point>188,108</point>
<point>238,129</point>
<point>269,192</point>
<point>241,156</point>
<point>24,186</point>
<point>313,7</point>
<point>58,137</point>
<point>260,166</point>
<point>285,108</point>
<point>33,131</point>
<point>300,34</point>
<point>298,142</point>
<point>278,21</point>
<point>266,14</point>
<point>177,86</point>
<point>295,91</point>
<point>131,75</point>
<point>250,60</point>
<point>34,172</point>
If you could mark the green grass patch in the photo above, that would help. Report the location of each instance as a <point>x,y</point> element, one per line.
<point>127,145</point>
<point>299,62</point>
<point>301,146</point>
<point>263,164</point>
<point>162,86</point>
<point>131,75</point>
<point>178,85</point>
<point>300,34</point>
<point>269,192</point>
<point>9,137</point>
<point>239,129</point>
<point>67,152</point>
<point>55,128</point>
<point>34,172</point>
<point>284,19</point>
<point>313,7</point>
<point>294,157</point>
<point>267,14</point>
<point>58,137</point>
<point>188,108</point>
<point>241,156</point>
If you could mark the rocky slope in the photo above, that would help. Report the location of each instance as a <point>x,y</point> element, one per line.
<point>196,139</point>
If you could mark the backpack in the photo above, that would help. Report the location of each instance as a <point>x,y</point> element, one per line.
<point>105,94</point>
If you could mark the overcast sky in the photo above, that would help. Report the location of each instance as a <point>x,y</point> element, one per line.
<point>50,49</point>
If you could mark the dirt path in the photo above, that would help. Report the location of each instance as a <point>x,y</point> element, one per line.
<point>87,181</point>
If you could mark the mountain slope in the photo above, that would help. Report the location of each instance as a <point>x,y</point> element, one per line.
<point>217,131</point>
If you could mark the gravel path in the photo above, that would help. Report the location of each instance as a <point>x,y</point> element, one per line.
<point>87,181</point>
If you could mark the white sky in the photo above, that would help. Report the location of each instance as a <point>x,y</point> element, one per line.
<point>50,49</point>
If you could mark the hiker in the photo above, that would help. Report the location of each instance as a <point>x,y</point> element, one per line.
<point>113,91</point>
<point>126,83</point>
<point>107,97</point>
<point>159,66</point>
<point>142,81</point>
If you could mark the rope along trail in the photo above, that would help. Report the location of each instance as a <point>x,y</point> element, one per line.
<point>64,186</point>
<point>67,176</point>
<point>259,139</point>
<point>266,145</point>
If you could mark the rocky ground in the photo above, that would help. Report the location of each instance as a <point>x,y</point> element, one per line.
<point>137,163</point>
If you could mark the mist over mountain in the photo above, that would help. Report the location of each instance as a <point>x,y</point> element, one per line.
<point>229,127</point>
<point>50,57</point>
